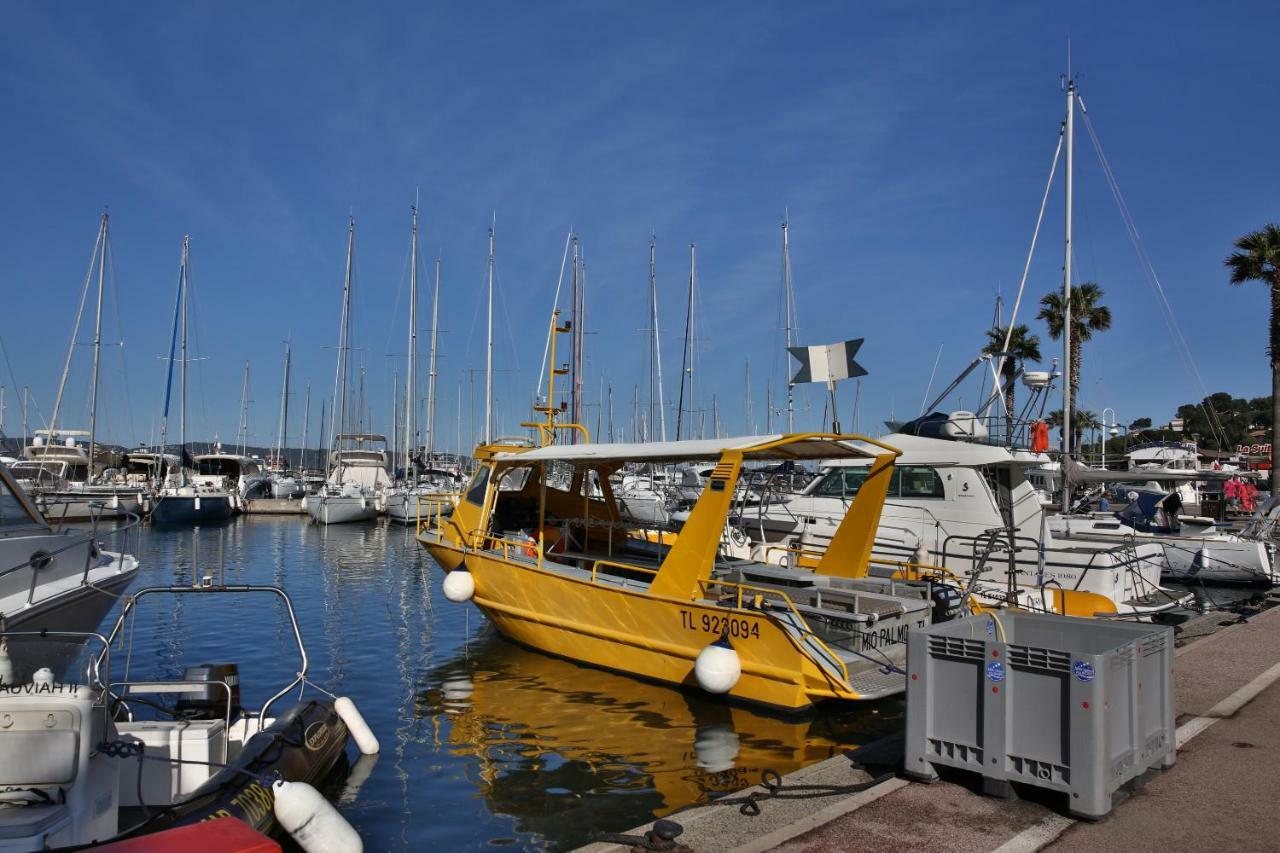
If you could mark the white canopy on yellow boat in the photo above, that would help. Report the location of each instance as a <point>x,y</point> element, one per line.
<point>777,447</point>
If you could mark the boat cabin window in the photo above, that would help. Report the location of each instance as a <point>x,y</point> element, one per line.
<point>513,479</point>
<point>475,493</point>
<point>908,481</point>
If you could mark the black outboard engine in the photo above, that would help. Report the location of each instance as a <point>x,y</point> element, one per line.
<point>947,601</point>
<point>209,702</point>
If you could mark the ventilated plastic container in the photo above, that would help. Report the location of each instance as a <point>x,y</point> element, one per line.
<point>1082,706</point>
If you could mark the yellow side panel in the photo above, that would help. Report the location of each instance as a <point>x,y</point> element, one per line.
<point>690,560</point>
<point>849,553</point>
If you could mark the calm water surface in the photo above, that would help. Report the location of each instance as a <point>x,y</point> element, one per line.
<point>484,742</point>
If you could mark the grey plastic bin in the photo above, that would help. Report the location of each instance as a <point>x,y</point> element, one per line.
<point>1081,706</point>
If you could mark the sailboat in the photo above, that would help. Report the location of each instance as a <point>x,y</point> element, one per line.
<point>428,485</point>
<point>284,482</point>
<point>357,465</point>
<point>184,498</point>
<point>58,471</point>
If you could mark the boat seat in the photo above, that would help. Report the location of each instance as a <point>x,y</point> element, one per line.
<point>39,758</point>
<point>31,821</point>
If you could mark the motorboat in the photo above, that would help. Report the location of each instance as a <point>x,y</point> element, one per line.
<point>557,568</point>
<point>55,579</point>
<point>357,484</point>
<point>966,506</point>
<point>243,477</point>
<point>1195,549</point>
<point>99,754</point>
<point>56,472</point>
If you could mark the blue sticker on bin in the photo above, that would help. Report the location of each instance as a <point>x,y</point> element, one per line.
<point>995,671</point>
<point>1083,671</point>
<point>991,628</point>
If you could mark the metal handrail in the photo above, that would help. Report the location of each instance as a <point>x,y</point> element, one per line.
<point>807,632</point>
<point>167,687</point>
<point>300,677</point>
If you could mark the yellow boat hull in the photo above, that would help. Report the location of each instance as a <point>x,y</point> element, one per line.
<point>636,633</point>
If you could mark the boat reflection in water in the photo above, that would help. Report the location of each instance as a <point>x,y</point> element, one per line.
<point>569,750</point>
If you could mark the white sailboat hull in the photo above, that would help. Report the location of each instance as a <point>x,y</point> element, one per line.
<point>340,509</point>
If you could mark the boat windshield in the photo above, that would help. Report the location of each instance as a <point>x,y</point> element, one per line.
<point>908,481</point>
<point>39,472</point>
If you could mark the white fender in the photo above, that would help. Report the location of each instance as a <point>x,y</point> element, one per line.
<point>197,503</point>
<point>360,731</point>
<point>717,667</point>
<point>312,821</point>
<point>6,663</point>
<point>459,586</point>
<point>920,556</point>
<point>43,675</point>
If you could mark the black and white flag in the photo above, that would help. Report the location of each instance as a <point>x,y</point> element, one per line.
<point>828,363</point>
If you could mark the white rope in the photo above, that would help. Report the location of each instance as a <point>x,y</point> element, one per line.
<point>1149,272</point>
<point>1026,268</point>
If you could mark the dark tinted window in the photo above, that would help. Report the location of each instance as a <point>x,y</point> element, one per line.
<point>475,494</point>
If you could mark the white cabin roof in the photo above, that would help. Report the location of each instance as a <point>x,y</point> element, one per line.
<point>939,452</point>
<point>767,447</point>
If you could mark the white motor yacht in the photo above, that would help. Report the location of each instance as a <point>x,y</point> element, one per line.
<point>57,474</point>
<point>964,505</point>
<point>1195,549</point>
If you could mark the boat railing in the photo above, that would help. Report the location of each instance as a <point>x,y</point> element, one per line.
<point>628,567</point>
<point>120,689</point>
<point>435,509</point>
<point>208,587</point>
<point>758,596</point>
<point>42,558</point>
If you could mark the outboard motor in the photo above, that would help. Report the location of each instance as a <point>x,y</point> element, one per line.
<point>210,701</point>
<point>947,601</point>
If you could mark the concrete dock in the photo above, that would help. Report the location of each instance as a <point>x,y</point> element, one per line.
<point>1220,793</point>
<point>274,506</point>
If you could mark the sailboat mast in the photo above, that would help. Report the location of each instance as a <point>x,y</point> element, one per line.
<point>574,381</point>
<point>488,357</point>
<point>409,389</point>
<point>657,346</point>
<point>306,428</point>
<point>97,344</point>
<point>243,433</point>
<point>789,298</point>
<point>75,329</point>
<point>431,364</point>
<point>182,368</point>
<point>1067,422</point>
<point>338,412</point>
<point>282,433</point>
<point>686,355</point>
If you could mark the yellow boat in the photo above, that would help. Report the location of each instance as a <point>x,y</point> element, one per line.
<point>537,542</point>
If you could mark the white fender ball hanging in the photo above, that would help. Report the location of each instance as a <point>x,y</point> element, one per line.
<point>360,731</point>
<point>459,586</point>
<point>312,821</point>
<point>717,667</point>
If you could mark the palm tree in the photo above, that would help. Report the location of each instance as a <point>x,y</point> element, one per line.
<point>1258,259</point>
<point>1087,316</point>
<point>1084,420</point>
<point>1023,347</point>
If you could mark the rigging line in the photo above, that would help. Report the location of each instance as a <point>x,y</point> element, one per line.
<point>124,364</point>
<point>1026,267</point>
<point>1149,272</point>
<point>555,303</point>
<point>924,402</point>
<point>18,388</point>
<point>75,333</point>
<point>395,311</point>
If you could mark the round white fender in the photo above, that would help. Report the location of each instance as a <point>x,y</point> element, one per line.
<point>717,667</point>
<point>920,556</point>
<point>312,821</point>
<point>6,663</point>
<point>360,731</point>
<point>1203,559</point>
<point>43,675</point>
<point>459,586</point>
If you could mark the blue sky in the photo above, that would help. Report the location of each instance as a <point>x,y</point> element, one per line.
<point>909,143</point>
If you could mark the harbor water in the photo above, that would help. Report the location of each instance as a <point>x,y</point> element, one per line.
<point>484,743</point>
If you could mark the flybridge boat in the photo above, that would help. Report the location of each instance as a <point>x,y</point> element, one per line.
<point>1194,548</point>
<point>242,476</point>
<point>56,580</point>
<point>94,754</point>
<point>539,542</point>
<point>58,475</point>
<point>967,507</point>
<point>357,482</point>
